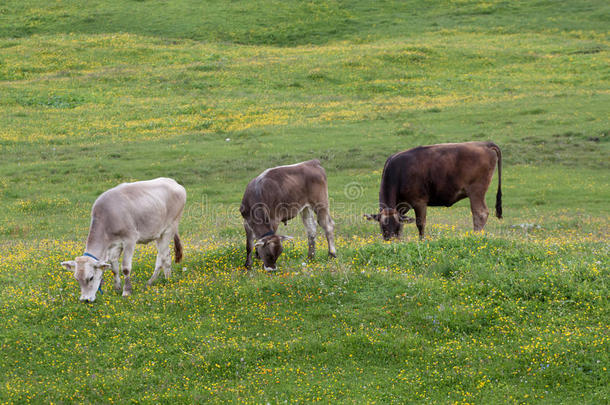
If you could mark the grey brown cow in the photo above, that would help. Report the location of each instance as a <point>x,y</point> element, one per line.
<point>437,175</point>
<point>278,195</point>
<point>121,217</point>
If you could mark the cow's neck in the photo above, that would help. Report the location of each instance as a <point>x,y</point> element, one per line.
<point>387,203</point>
<point>262,230</point>
<point>96,241</point>
<point>387,197</point>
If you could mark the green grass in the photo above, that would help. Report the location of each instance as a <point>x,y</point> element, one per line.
<point>292,22</point>
<point>454,319</point>
<point>96,93</point>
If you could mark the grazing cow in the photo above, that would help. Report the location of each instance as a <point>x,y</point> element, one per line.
<point>127,214</point>
<point>437,175</point>
<point>278,195</point>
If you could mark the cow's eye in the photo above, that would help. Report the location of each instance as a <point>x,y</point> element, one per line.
<point>90,279</point>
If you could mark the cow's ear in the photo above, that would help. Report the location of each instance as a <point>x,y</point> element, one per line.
<point>102,265</point>
<point>285,237</point>
<point>259,243</point>
<point>372,217</point>
<point>408,220</point>
<point>69,265</point>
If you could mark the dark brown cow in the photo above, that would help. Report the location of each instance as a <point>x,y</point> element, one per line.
<point>437,175</point>
<point>278,195</point>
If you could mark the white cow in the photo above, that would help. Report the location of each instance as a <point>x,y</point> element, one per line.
<point>127,214</point>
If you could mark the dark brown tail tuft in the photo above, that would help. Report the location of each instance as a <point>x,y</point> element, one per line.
<point>499,193</point>
<point>177,248</point>
<point>499,204</point>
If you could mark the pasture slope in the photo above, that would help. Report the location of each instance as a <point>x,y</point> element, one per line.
<point>211,93</point>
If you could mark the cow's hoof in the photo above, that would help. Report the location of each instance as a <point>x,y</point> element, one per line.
<point>126,293</point>
<point>332,255</point>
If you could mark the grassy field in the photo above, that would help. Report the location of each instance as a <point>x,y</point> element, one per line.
<point>211,93</point>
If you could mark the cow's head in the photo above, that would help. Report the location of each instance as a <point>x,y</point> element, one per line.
<point>89,273</point>
<point>390,221</point>
<point>269,248</point>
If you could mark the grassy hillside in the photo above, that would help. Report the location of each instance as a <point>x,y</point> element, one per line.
<point>96,110</point>
<point>211,93</point>
<point>293,22</point>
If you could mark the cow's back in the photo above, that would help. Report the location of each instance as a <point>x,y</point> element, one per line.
<point>298,184</point>
<point>143,206</point>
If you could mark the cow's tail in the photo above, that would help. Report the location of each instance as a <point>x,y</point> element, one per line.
<point>496,148</point>
<point>177,248</point>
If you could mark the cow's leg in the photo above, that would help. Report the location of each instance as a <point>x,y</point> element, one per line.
<point>479,210</point>
<point>164,252</point>
<point>158,266</point>
<point>249,245</point>
<point>163,258</point>
<point>327,223</point>
<point>113,257</point>
<point>420,218</point>
<point>310,227</point>
<point>128,248</point>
